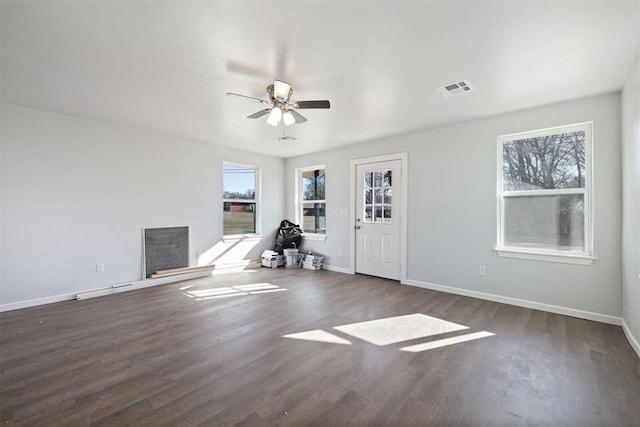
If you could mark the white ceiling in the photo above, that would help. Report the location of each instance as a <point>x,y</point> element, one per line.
<point>167,65</point>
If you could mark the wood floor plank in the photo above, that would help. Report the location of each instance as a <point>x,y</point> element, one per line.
<point>217,351</point>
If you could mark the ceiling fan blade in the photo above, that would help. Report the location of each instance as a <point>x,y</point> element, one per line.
<point>299,118</point>
<point>312,104</point>
<point>259,113</point>
<point>249,98</point>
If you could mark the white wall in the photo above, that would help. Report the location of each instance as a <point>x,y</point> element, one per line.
<point>452,208</point>
<point>77,192</point>
<point>631,203</point>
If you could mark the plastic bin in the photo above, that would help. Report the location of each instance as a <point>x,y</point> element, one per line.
<point>291,258</point>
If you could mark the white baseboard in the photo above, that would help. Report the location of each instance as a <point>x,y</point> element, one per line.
<point>114,289</point>
<point>36,301</point>
<point>336,269</point>
<point>581,314</point>
<point>140,284</point>
<point>123,287</point>
<point>632,340</point>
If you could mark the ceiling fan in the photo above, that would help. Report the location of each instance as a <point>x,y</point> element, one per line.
<point>281,105</point>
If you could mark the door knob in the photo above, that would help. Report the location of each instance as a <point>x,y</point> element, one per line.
<point>357,227</point>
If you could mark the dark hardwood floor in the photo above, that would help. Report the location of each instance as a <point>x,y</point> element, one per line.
<point>213,352</point>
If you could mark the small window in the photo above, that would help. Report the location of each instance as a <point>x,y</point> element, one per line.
<point>240,211</point>
<point>544,192</point>
<point>311,205</point>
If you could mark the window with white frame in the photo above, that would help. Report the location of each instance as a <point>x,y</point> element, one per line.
<point>310,200</point>
<point>545,195</point>
<point>240,201</point>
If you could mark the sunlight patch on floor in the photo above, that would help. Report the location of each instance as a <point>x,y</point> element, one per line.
<point>400,328</point>
<point>231,291</point>
<point>446,341</point>
<point>318,335</point>
<point>393,330</point>
<point>212,292</point>
<point>256,287</point>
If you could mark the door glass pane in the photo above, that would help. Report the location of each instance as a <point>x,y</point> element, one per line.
<point>387,213</point>
<point>378,211</point>
<point>545,222</point>
<point>367,213</point>
<point>387,178</point>
<point>387,196</point>
<point>367,180</point>
<point>378,196</point>
<point>378,180</point>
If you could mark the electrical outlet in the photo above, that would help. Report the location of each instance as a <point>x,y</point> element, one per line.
<point>100,267</point>
<point>339,252</point>
<point>482,270</point>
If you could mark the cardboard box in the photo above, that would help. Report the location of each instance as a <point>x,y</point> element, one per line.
<point>313,262</point>
<point>271,259</point>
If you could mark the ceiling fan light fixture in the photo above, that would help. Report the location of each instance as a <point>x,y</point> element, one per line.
<point>274,116</point>
<point>281,90</point>
<point>288,118</point>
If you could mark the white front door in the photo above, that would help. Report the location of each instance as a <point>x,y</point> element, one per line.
<point>377,227</point>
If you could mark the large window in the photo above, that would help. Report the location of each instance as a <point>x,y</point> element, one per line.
<point>544,194</point>
<point>240,199</point>
<point>310,197</point>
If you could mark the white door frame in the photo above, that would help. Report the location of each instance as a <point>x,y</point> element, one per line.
<point>403,209</point>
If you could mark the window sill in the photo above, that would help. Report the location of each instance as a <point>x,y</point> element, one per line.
<point>244,237</point>
<point>560,257</point>
<point>314,237</point>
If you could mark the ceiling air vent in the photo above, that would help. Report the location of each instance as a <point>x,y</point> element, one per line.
<point>453,89</point>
